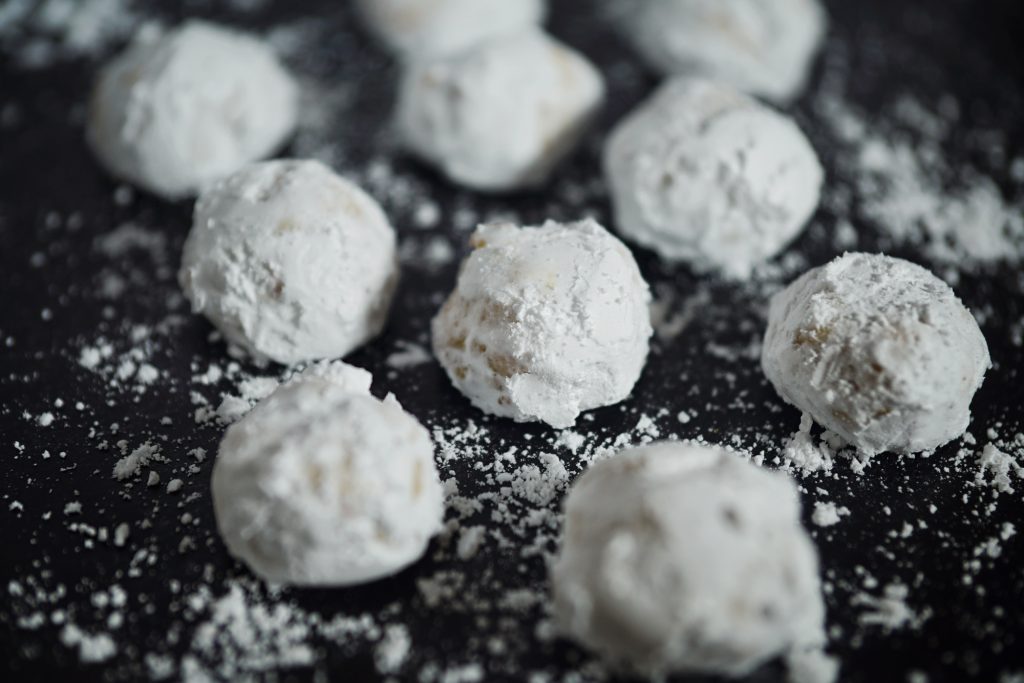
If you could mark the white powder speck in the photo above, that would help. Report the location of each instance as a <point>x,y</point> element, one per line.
<point>470,540</point>
<point>647,428</point>
<point>234,407</point>
<point>147,374</point>
<point>426,214</point>
<point>999,467</point>
<point>128,237</point>
<point>130,465</point>
<point>801,453</point>
<point>889,611</point>
<point>160,667</point>
<point>91,647</point>
<point>392,649</point>
<point>408,355</point>
<point>827,514</point>
<point>571,440</point>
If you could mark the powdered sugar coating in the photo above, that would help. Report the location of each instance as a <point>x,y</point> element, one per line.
<point>703,174</point>
<point>763,48</point>
<point>290,261</point>
<point>545,323</point>
<point>686,558</point>
<point>877,350</point>
<point>323,484</point>
<point>429,28</point>
<point>501,115</point>
<point>179,110</point>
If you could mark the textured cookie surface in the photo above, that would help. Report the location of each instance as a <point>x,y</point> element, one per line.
<point>704,174</point>
<point>877,350</point>
<point>762,48</point>
<point>323,484</point>
<point>290,261</point>
<point>686,558</point>
<point>545,322</point>
<point>499,116</point>
<point>180,110</point>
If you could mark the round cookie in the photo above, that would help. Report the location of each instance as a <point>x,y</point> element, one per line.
<point>321,484</point>
<point>179,110</point>
<point>685,558</point>
<point>545,323</point>
<point>290,261</point>
<point>762,48</point>
<point>877,350</point>
<point>703,174</point>
<point>500,116</point>
<point>430,28</point>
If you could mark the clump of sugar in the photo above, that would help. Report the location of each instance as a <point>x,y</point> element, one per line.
<point>827,513</point>
<point>998,469</point>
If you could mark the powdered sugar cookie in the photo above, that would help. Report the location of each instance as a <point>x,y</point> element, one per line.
<point>878,350</point>
<point>323,484</point>
<point>429,28</point>
<point>179,110</point>
<point>686,558</point>
<point>290,261</point>
<point>763,48</point>
<point>545,323</point>
<point>501,115</point>
<point>703,174</point>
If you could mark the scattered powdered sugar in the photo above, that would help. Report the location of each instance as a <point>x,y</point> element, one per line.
<point>132,463</point>
<point>234,407</point>
<point>92,648</point>
<point>571,440</point>
<point>241,636</point>
<point>129,237</point>
<point>902,188</point>
<point>392,649</point>
<point>890,610</point>
<point>38,33</point>
<point>802,454</point>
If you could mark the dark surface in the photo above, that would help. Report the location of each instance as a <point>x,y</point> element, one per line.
<point>968,48</point>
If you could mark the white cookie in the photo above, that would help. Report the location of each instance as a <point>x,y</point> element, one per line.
<point>502,115</point>
<point>877,350</point>
<point>545,323</point>
<point>323,484</point>
<point>179,110</point>
<point>762,48</point>
<point>704,174</point>
<point>419,29</point>
<point>290,261</point>
<point>686,558</point>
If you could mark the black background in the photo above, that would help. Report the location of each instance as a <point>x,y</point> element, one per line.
<point>970,48</point>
